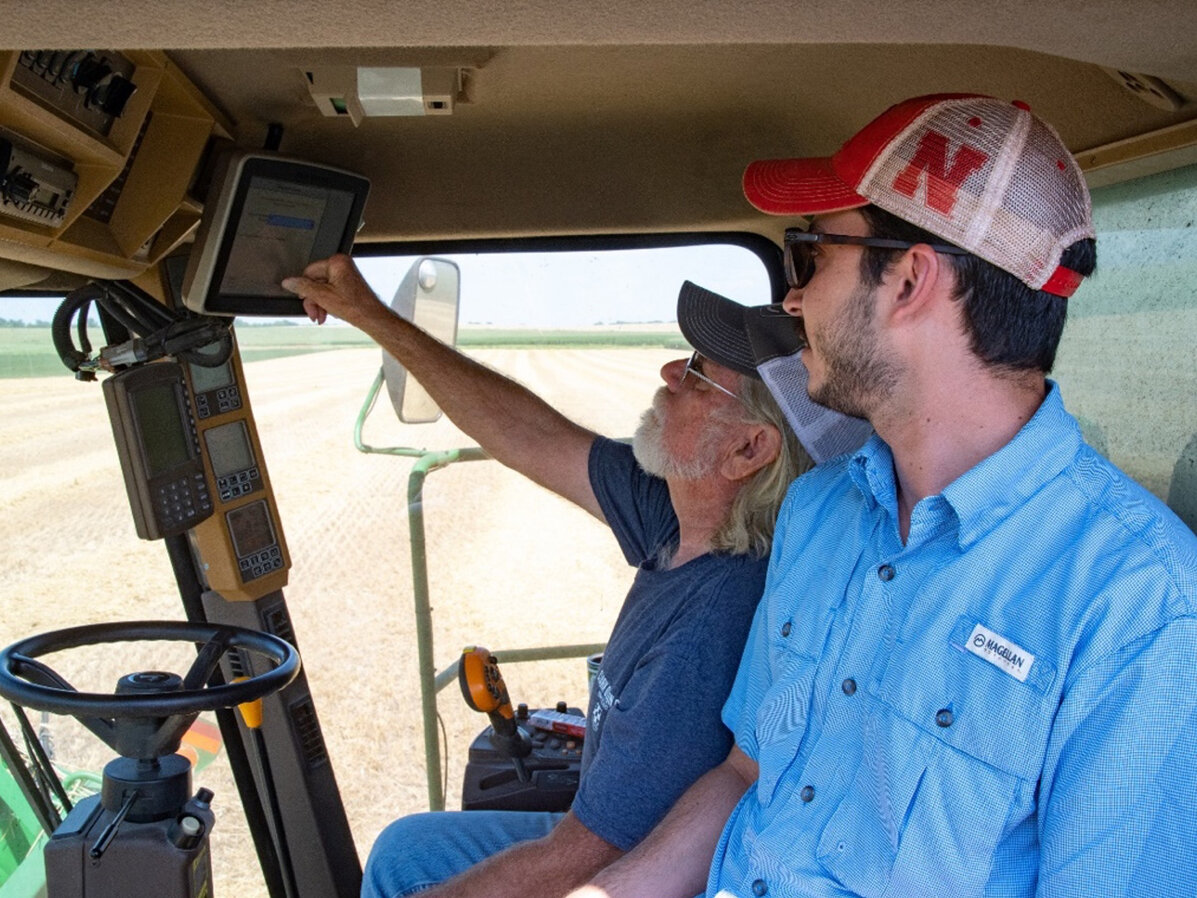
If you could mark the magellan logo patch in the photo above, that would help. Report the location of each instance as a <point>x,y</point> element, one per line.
<point>1000,652</point>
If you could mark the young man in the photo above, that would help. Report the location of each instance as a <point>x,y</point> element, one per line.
<point>972,670</point>
<point>692,504</point>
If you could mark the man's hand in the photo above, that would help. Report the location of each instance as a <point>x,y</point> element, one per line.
<point>675,858</point>
<point>335,286</point>
<point>516,427</point>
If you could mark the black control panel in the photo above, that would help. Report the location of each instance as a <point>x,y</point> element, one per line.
<point>555,765</point>
<point>217,401</point>
<point>158,448</point>
<point>89,87</point>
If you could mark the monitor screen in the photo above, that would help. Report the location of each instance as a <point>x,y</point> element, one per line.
<point>205,378</point>
<point>229,448</point>
<point>161,428</point>
<point>250,528</point>
<point>266,218</point>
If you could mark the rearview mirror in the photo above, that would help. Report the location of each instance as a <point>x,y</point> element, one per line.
<point>428,297</point>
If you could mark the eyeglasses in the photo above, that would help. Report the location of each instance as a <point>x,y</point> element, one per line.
<point>800,251</point>
<point>694,366</point>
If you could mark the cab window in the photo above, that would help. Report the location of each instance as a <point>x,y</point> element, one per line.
<point>509,564</point>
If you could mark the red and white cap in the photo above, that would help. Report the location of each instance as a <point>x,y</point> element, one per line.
<point>981,173</point>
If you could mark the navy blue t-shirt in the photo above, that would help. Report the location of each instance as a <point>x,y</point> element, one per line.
<point>653,723</point>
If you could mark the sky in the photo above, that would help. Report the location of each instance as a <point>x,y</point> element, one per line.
<point>578,289</point>
<point>556,290</point>
<point>17,308</point>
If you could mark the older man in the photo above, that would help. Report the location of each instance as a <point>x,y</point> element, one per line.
<point>692,504</point>
<point>972,671</point>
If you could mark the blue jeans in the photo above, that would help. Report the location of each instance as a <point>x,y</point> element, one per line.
<point>416,852</point>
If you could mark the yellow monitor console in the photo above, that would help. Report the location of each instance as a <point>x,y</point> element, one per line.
<point>241,549</point>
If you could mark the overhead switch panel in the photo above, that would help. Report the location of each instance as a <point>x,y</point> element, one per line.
<point>90,87</point>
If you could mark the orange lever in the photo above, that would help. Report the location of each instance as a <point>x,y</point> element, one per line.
<point>482,685</point>
<point>251,712</point>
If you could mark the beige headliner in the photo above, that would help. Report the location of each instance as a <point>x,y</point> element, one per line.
<point>1142,36</point>
<point>627,116</point>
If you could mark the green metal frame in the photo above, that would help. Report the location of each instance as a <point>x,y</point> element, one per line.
<point>432,682</point>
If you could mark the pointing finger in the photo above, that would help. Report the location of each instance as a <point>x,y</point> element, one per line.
<point>315,312</point>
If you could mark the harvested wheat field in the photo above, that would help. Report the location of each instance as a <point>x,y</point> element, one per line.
<point>509,564</point>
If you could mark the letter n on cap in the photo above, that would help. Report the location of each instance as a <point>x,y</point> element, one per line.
<point>943,183</point>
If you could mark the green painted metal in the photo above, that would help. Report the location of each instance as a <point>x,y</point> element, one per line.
<point>427,461</point>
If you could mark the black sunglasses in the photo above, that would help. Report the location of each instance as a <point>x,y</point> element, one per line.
<point>800,259</point>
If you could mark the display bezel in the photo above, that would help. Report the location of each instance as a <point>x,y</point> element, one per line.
<point>215,243</point>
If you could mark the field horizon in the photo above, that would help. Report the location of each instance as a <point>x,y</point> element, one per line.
<point>27,350</point>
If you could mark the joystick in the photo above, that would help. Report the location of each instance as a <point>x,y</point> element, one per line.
<point>483,688</point>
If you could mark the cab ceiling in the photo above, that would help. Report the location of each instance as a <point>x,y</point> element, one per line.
<point>627,116</point>
<point>630,138</point>
<point>1155,36</point>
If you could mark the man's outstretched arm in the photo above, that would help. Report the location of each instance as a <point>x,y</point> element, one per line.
<point>551,866</point>
<point>675,858</point>
<point>510,422</point>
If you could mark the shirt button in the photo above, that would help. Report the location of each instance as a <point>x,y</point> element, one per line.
<point>885,573</point>
<point>849,686</point>
<point>785,629</point>
<point>944,717</point>
<point>760,887</point>
<point>807,794</point>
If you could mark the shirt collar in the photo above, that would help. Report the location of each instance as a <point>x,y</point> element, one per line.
<point>991,490</point>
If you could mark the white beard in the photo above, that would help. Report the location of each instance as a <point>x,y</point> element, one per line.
<point>648,446</point>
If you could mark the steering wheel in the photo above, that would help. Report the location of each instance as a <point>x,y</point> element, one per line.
<point>164,700</point>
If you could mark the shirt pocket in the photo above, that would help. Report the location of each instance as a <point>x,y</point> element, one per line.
<point>952,752</point>
<point>783,715</point>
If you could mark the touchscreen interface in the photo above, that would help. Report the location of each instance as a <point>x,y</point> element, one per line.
<point>267,217</point>
<point>283,226</point>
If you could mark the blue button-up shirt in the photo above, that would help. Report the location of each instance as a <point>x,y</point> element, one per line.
<point>1005,705</point>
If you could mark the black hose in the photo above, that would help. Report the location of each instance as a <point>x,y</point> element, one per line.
<point>60,326</point>
<point>155,330</point>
